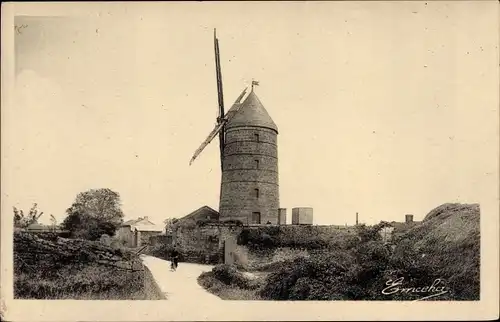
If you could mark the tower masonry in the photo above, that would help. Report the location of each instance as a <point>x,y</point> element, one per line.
<point>250,184</point>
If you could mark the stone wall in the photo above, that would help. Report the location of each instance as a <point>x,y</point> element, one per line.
<point>210,240</point>
<point>198,240</point>
<point>161,239</point>
<point>145,237</point>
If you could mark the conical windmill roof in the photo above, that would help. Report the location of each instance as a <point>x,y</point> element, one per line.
<point>251,113</point>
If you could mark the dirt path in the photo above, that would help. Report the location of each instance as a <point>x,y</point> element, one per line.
<point>181,285</point>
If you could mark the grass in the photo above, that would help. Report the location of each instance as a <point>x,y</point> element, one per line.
<point>227,292</point>
<point>77,269</point>
<point>86,282</point>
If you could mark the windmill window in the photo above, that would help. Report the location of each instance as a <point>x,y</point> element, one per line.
<point>257,193</point>
<point>256,137</point>
<point>256,164</point>
<point>255,217</point>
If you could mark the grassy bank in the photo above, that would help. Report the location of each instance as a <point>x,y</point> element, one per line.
<point>59,268</point>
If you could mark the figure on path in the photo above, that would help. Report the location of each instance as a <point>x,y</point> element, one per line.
<point>174,259</point>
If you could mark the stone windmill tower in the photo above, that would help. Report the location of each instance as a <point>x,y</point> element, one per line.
<point>249,157</point>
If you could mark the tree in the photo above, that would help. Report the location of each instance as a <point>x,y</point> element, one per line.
<point>93,213</point>
<point>369,233</point>
<point>22,221</point>
<point>170,224</point>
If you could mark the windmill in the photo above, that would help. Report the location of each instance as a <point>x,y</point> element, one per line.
<point>248,156</point>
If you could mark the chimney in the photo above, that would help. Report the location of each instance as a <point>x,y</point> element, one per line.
<point>282,216</point>
<point>145,218</point>
<point>356,219</point>
<point>408,218</point>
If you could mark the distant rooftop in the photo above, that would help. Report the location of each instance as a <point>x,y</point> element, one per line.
<point>140,220</point>
<point>149,228</point>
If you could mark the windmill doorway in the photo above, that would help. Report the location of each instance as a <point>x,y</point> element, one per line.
<point>255,218</point>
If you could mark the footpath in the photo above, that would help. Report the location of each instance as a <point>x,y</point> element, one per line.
<point>182,285</point>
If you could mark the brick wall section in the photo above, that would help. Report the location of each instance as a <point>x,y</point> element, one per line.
<point>145,237</point>
<point>250,164</point>
<point>205,239</point>
<point>161,239</point>
<point>248,132</point>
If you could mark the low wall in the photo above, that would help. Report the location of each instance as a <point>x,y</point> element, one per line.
<point>160,239</point>
<point>256,244</point>
<point>151,289</point>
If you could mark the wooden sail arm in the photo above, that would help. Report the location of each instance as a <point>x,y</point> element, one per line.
<point>229,115</point>
<point>218,74</point>
<point>209,139</point>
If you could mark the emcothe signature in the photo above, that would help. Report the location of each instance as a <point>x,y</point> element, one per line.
<point>433,290</point>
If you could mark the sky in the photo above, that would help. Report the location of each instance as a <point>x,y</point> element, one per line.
<point>384,109</point>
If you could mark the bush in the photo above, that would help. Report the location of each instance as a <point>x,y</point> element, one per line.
<point>233,222</point>
<point>230,275</point>
<point>319,270</point>
<point>227,292</point>
<point>270,237</point>
<point>445,246</point>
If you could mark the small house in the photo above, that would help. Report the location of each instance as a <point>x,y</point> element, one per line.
<point>40,228</point>
<point>203,213</point>
<point>137,232</point>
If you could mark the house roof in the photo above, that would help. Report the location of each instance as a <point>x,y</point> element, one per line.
<point>149,228</point>
<point>37,226</point>
<point>251,113</point>
<point>130,222</point>
<point>200,211</point>
<point>140,220</point>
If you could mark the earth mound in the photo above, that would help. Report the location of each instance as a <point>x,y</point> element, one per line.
<point>59,268</point>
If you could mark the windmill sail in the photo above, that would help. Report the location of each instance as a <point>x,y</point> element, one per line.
<point>219,94</point>
<point>209,139</point>
<point>218,74</point>
<point>236,106</point>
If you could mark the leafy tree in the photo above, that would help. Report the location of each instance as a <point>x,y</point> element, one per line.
<point>22,220</point>
<point>93,213</point>
<point>170,224</point>
<point>368,233</point>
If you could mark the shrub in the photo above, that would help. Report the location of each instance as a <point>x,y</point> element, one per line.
<point>270,237</point>
<point>233,222</point>
<point>227,292</point>
<point>229,275</point>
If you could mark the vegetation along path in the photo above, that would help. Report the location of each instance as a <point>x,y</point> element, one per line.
<point>181,285</point>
